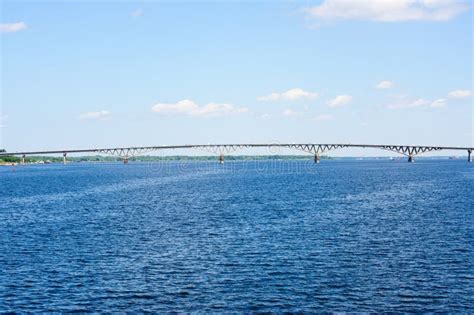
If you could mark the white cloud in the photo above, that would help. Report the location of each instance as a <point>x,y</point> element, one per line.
<point>388,10</point>
<point>405,103</point>
<point>323,117</point>
<point>460,93</point>
<point>441,102</point>
<point>137,12</point>
<point>100,115</point>
<point>340,100</point>
<point>269,97</point>
<point>189,108</point>
<point>290,95</point>
<point>290,113</point>
<point>12,27</point>
<point>384,85</point>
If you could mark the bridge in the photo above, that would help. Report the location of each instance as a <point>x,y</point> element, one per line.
<point>315,149</point>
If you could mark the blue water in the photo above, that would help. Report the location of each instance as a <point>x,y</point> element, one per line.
<point>257,236</point>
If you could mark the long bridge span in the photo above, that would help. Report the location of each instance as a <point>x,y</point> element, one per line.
<point>315,149</point>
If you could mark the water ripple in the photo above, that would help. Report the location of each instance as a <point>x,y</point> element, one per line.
<point>339,237</point>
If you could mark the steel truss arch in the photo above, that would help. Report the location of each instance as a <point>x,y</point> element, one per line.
<point>126,152</point>
<point>316,148</point>
<point>410,150</point>
<point>222,149</point>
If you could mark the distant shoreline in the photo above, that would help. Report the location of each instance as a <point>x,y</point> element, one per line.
<point>11,161</point>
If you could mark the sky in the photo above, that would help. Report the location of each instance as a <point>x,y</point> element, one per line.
<point>88,74</point>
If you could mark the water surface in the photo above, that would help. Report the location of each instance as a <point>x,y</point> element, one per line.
<point>255,236</point>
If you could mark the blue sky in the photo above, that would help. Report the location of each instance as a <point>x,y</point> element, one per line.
<point>100,74</point>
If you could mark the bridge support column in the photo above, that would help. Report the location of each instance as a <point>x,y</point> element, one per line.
<point>221,159</point>
<point>411,159</point>
<point>64,158</point>
<point>317,158</point>
<point>23,159</point>
<point>125,160</point>
<point>469,158</point>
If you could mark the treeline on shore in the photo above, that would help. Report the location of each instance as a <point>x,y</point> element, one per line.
<point>149,158</point>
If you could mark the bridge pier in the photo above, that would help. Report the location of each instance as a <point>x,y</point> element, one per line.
<point>125,160</point>
<point>317,158</point>
<point>64,158</point>
<point>411,159</point>
<point>221,159</point>
<point>23,159</point>
<point>469,158</point>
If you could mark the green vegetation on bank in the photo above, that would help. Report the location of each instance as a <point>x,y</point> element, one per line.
<point>9,159</point>
<point>149,158</point>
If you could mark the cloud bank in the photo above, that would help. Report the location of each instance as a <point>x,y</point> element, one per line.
<point>339,101</point>
<point>405,103</point>
<point>291,113</point>
<point>460,94</point>
<point>295,94</point>
<point>388,10</point>
<point>12,27</point>
<point>190,108</point>
<point>382,85</point>
<point>439,103</point>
